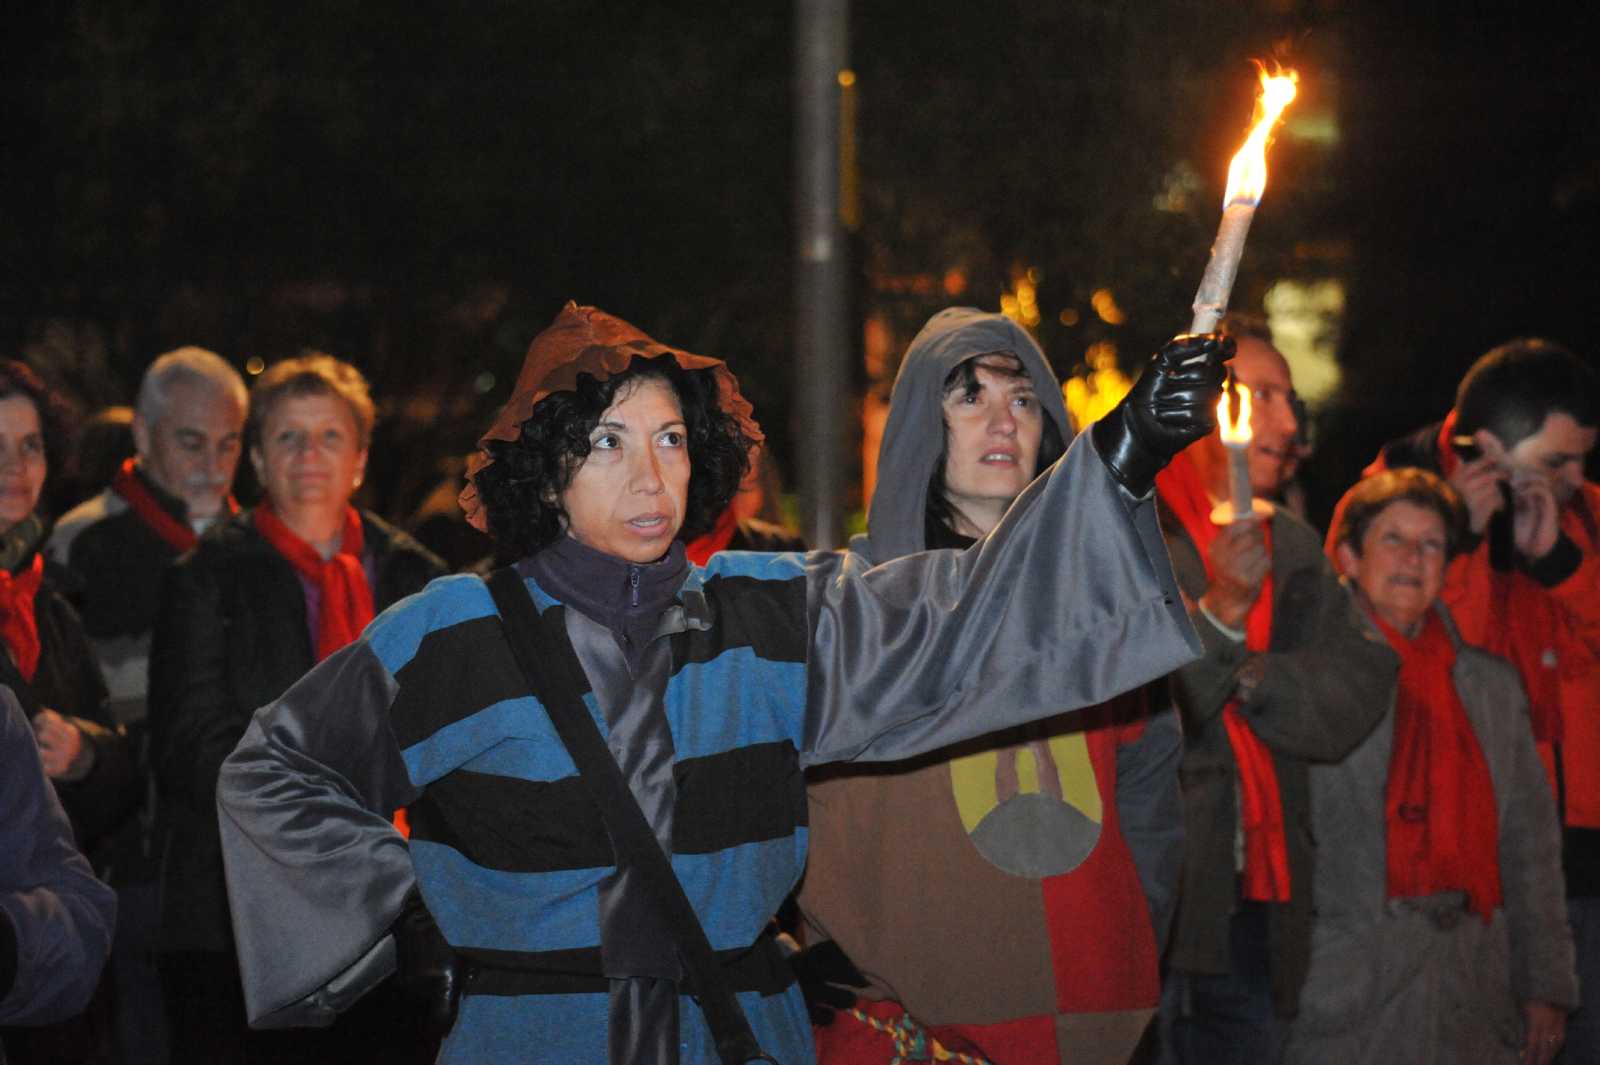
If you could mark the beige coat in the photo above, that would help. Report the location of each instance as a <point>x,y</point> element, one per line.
<point>1423,981</point>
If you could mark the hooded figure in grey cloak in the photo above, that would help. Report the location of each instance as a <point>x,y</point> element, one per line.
<point>910,456</point>
<point>1089,801</point>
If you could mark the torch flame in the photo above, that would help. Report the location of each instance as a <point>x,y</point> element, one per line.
<point>1247,174</point>
<point>1234,430</point>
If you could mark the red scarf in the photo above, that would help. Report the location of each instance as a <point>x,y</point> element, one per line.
<point>131,487</point>
<point>1507,614</point>
<point>346,604</point>
<point>19,627</point>
<point>701,548</point>
<point>1443,827</point>
<point>1266,847</point>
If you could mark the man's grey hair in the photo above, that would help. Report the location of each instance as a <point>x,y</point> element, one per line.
<point>192,365</point>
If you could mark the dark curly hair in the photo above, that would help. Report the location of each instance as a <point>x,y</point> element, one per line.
<point>55,417</point>
<point>522,487</point>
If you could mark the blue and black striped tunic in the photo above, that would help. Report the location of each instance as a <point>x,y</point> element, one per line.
<point>511,852</point>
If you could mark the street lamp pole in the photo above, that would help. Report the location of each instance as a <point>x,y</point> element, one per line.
<point>821,366</point>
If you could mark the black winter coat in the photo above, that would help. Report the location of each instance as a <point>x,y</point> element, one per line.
<point>230,637</point>
<point>68,681</point>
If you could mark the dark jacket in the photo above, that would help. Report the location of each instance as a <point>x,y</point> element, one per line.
<point>55,917</point>
<point>116,559</point>
<point>1325,687</point>
<point>231,636</point>
<point>112,563</point>
<point>116,562</point>
<point>68,681</point>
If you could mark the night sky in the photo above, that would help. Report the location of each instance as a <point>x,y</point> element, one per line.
<point>418,187</point>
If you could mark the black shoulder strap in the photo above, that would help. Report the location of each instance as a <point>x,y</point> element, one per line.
<point>551,669</point>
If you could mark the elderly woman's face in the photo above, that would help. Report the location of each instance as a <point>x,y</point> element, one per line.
<point>22,461</point>
<point>628,497</point>
<point>310,453</point>
<point>1400,569</point>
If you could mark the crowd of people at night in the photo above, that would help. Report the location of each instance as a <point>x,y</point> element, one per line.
<point>1063,760</point>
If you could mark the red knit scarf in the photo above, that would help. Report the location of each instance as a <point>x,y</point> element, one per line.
<point>346,605</point>
<point>1266,848</point>
<point>131,487</point>
<point>1443,827</point>
<point>19,626</point>
<point>701,548</point>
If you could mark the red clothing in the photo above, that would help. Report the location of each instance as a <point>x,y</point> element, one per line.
<point>129,484</point>
<point>1577,632</point>
<point>701,548</point>
<point>344,598</point>
<point>1551,635</point>
<point>1084,908</point>
<point>19,626</point>
<point>1266,850</point>
<point>1442,826</point>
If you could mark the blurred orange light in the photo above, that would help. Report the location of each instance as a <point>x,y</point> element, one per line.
<point>1105,305</point>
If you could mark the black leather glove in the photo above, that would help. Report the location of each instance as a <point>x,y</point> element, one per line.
<point>431,973</point>
<point>821,970</point>
<point>1173,404</point>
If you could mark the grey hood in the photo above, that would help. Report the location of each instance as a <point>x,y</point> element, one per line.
<point>914,435</point>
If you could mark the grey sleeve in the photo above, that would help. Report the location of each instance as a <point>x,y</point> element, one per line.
<point>1543,962</point>
<point>1150,809</point>
<point>316,871</point>
<point>60,917</point>
<point>1069,601</point>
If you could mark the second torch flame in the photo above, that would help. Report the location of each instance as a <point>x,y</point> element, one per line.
<point>1235,431</point>
<point>1247,180</point>
<point>1236,438</point>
